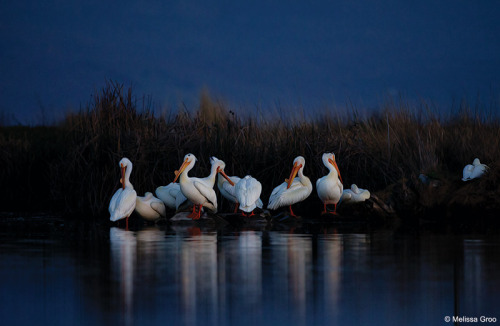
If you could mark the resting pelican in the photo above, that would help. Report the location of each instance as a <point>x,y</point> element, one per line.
<point>293,190</point>
<point>171,195</point>
<point>149,207</point>
<point>474,170</point>
<point>248,191</point>
<point>355,194</point>
<point>330,186</point>
<point>122,203</point>
<point>197,190</point>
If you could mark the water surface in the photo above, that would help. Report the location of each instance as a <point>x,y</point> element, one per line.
<point>187,275</point>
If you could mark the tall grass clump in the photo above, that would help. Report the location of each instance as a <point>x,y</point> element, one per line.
<point>73,167</point>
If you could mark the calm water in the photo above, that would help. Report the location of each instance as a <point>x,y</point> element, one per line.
<point>196,276</point>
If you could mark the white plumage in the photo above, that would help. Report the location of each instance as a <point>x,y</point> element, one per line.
<point>474,170</point>
<point>123,202</point>
<point>247,192</point>
<point>199,190</point>
<point>149,207</point>
<point>293,190</point>
<point>171,195</point>
<point>330,187</point>
<point>355,195</point>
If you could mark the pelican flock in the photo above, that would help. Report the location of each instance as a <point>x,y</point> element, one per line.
<point>245,192</point>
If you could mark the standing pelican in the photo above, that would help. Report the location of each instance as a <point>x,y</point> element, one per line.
<point>293,190</point>
<point>330,186</point>
<point>199,191</point>
<point>474,170</point>
<point>123,202</point>
<point>227,190</point>
<point>247,192</point>
<point>149,207</point>
<point>171,194</point>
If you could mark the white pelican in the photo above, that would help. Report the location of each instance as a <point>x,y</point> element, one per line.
<point>122,203</point>
<point>149,207</point>
<point>171,195</point>
<point>248,191</point>
<point>227,190</point>
<point>293,190</point>
<point>474,170</point>
<point>355,194</point>
<point>197,190</point>
<point>330,186</point>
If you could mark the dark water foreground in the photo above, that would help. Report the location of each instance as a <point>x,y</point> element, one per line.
<point>86,274</point>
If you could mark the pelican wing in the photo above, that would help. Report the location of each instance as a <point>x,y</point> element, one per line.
<point>231,190</point>
<point>281,196</point>
<point>125,204</point>
<point>248,191</point>
<point>114,199</point>
<point>467,172</point>
<point>206,192</point>
<point>159,207</point>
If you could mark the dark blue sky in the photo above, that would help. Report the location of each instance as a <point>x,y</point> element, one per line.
<point>54,54</point>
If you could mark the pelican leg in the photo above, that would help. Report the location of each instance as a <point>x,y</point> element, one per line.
<point>236,204</point>
<point>324,209</point>
<point>198,214</point>
<point>291,212</point>
<point>126,223</point>
<point>247,215</point>
<point>193,213</point>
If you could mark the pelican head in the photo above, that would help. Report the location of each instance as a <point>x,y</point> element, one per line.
<point>124,164</point>
<point>220,166</point>
<point>189,159</point>
<point>476,162</point>
<point>298,164</point>
<point>329,160</point>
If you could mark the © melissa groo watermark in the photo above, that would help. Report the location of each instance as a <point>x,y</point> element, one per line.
<point>469,319</point>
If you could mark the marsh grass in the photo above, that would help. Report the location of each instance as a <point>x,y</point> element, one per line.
<point>73,167</point>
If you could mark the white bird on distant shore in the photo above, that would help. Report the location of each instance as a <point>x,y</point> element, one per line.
<point>474,170</point>
<point>355,195</point>
<point>123,202</point>
<point>293,190</point>
<point>149,207</point>
<point>248,192</point>
<point>199,190</point>
<point>330,186</point>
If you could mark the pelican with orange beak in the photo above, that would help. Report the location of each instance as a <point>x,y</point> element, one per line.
<point>295,189</point>
<point>330,186</point>
<point>199,191</point>
<point>123,202</point>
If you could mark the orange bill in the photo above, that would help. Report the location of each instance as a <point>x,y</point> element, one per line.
<point>122,179</point>
<point>334,163</point>
<point>293,174</point>
<point>181,169</point>
<point>225,176</point>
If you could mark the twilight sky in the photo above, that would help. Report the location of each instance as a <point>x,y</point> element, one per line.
<point>56,53</point>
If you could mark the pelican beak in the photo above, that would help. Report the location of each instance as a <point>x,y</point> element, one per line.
<point>219,170</point>
<point>181,169</point>
<point>334,163</point>
<point>295,169</point>
<point>122,179</point>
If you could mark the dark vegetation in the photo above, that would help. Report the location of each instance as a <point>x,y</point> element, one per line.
<point>72,167</point>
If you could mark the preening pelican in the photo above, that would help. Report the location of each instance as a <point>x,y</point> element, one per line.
<point>227,190</point>
<point>330,186</point>
<point>474,170</point>
<point>123,202</point>
<point>355,195</point>
<point>197,190</point>
<point>293,190</point>
<point>171,195</point>
<point>149,207</point>
<point>248,191</point>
